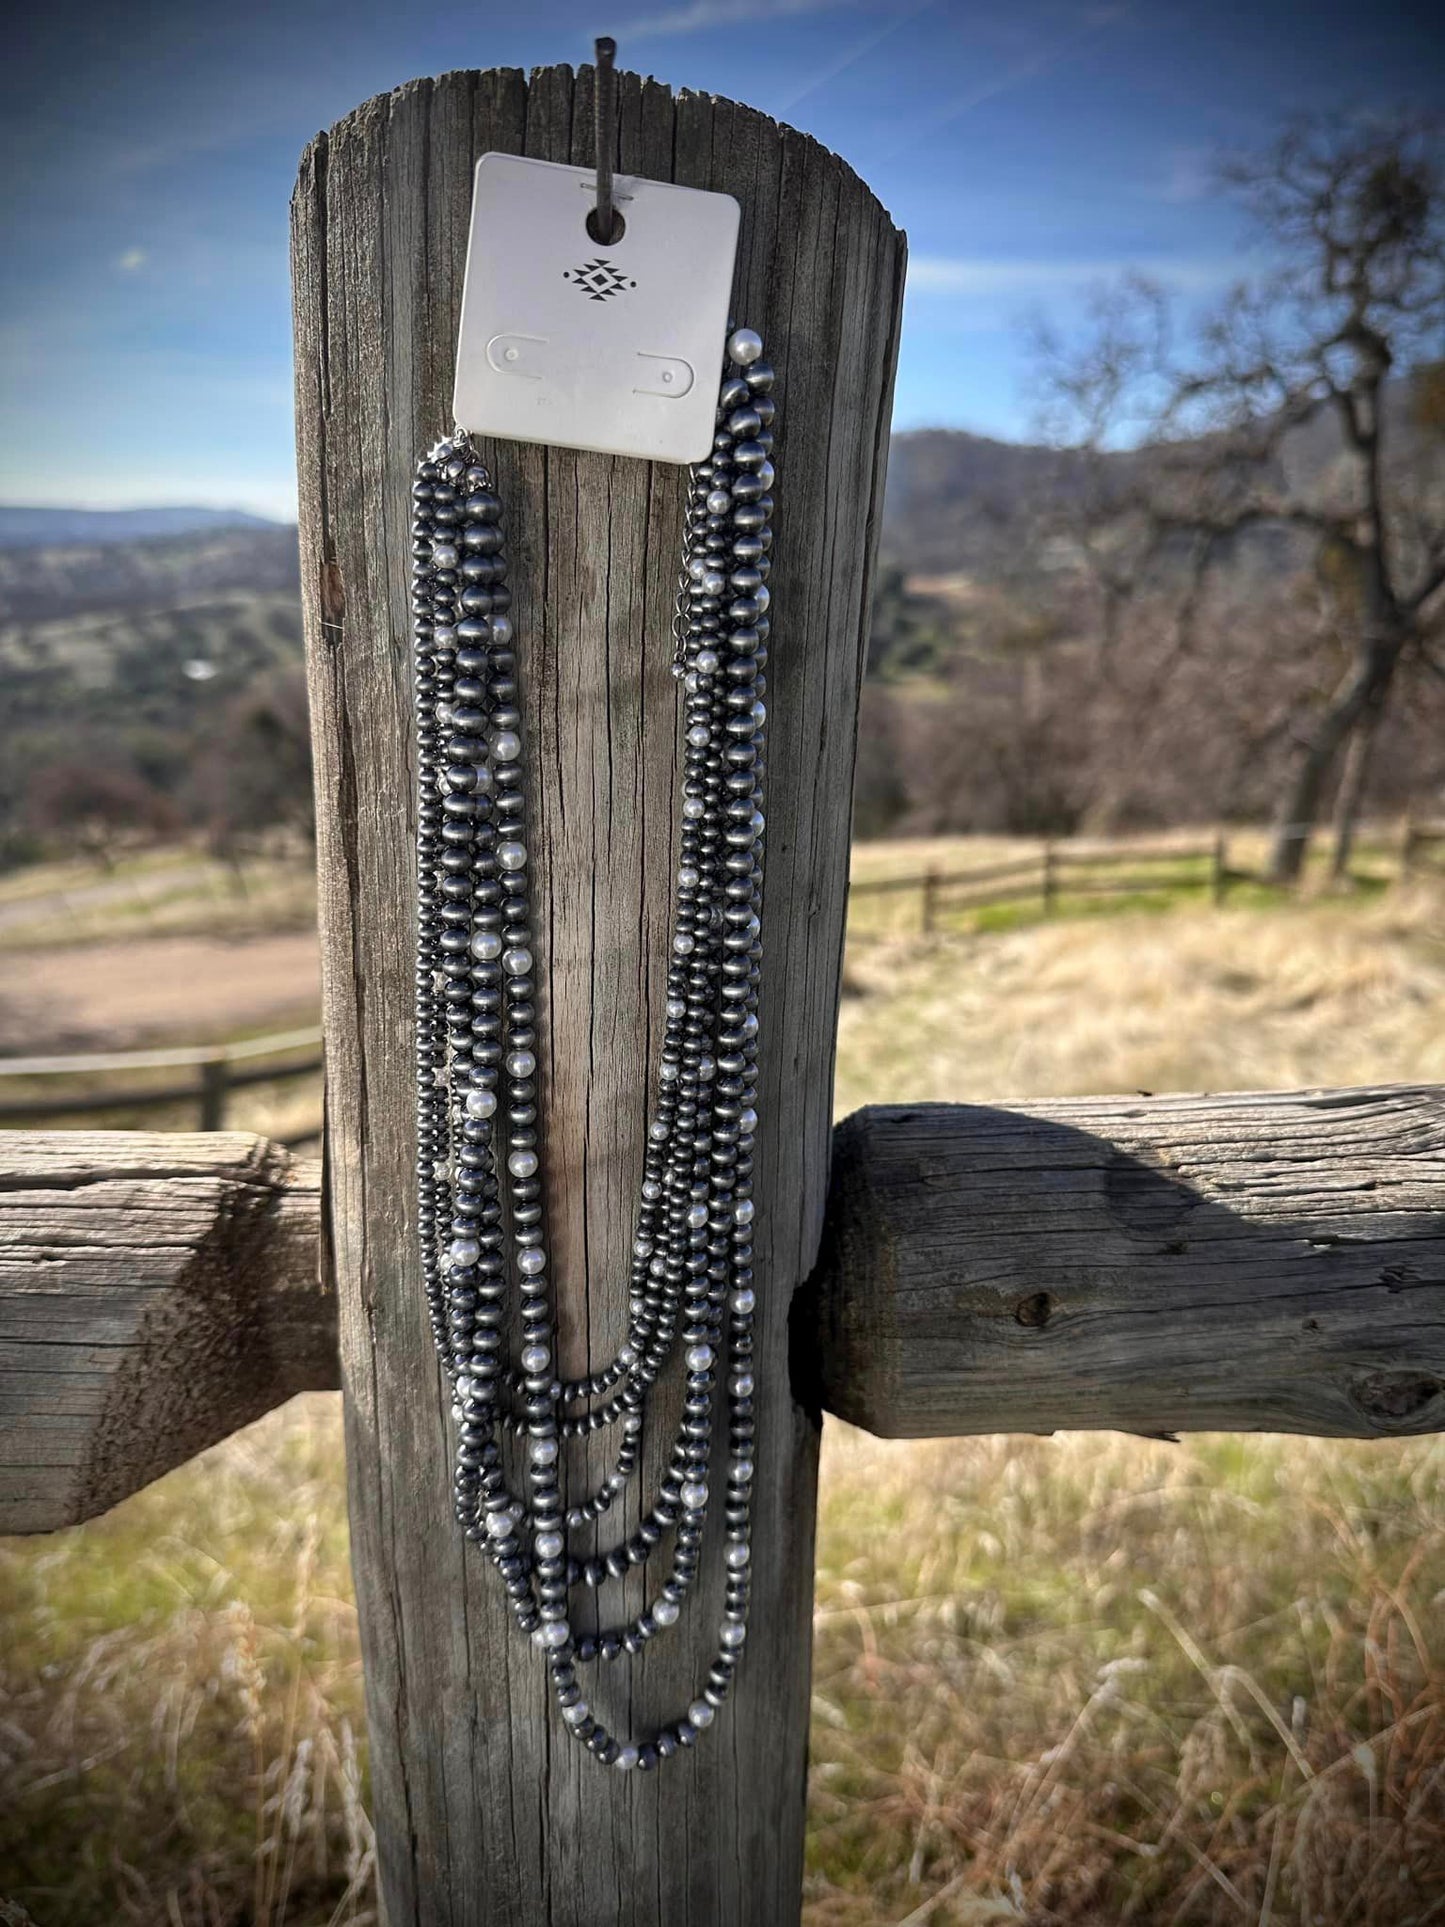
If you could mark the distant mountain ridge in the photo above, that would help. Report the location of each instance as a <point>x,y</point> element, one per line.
<point>55,581</point>
<point>33,528</point>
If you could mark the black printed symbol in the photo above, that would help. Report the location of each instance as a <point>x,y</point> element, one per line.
<point>598,279</point>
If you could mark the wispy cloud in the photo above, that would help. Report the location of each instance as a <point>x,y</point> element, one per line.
<point>984,277</point>
<point>1096,20</point>
<point>697,16</point>
<point>131,260</point>
<point>850,56</point>
<point>1190,174</point>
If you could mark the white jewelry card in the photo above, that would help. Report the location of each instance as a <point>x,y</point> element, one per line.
<point>564,341</point>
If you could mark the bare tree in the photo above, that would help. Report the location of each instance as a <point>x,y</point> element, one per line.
<point>94,804</point>
<point>1301,429</point>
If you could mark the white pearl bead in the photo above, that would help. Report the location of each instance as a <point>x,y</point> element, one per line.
<point>694,1495</point>
<point>665,1612</point>
<point>506,746</point>
<point>486,946</point>
<point>511,856</point>
<point>699,1357</point>
<point>745,346</point>
<point>700,1714</point>
<point>626,1759</point>
<point>522,1164</point>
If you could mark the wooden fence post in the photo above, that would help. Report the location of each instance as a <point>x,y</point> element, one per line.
<point>931,881</point>
<point>484,1811</point>
<point>1407,847</point>
<point>215,1082</point>
<point>1051,879</point>
<point>1219,869</point>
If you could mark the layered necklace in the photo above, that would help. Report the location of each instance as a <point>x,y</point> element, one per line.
<point>479,1144</point>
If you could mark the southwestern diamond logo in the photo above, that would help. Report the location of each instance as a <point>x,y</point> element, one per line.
<point>598,279</point>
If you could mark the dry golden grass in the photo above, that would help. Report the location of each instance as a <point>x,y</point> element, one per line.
<point>1081,1680</point>
<point>1190,999</point>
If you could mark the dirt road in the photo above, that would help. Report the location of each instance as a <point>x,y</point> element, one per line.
<point>184,990</point>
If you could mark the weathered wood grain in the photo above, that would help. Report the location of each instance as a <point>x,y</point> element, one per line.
<point>156,1293</point>
<point>485,1812</point>
<point>1256,1262</point>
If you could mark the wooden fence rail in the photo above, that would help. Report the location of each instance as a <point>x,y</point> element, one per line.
<point>1258,1262</point>
<point>1123,868</point>
<point>220,1069</point>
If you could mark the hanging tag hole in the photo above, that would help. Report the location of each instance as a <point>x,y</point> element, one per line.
<point>593,226</point>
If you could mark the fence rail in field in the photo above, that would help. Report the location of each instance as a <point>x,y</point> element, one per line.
<point>1059,869</point>
<point>1255,1261</point>
<point>219,1069</point>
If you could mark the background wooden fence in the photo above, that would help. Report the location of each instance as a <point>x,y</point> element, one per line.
<point>79,1087</point>
<point>215,1071</point>
<point>1058,871</point>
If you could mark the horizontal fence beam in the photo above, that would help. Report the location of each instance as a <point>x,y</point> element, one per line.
<point>1257,1262</point>
<point>166,1057</point>
<point>1268,1262</point>
<point>156,1097</point>
<point>157,1292</point>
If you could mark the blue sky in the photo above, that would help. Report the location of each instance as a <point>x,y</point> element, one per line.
<point>1031,150</point>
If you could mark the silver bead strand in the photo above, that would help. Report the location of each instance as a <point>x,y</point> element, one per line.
<point>691,1277</point>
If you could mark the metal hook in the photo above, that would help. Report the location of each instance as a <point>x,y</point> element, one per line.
<point>605,225</point>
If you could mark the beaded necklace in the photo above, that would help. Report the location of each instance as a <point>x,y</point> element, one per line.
<point>479,1163</point>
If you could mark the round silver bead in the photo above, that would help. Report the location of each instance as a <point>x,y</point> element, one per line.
<point>745,346</point>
